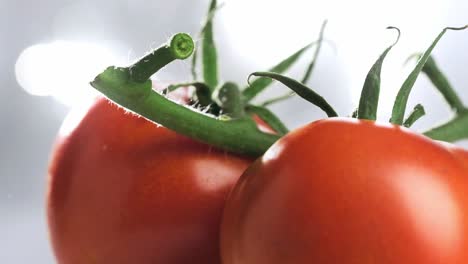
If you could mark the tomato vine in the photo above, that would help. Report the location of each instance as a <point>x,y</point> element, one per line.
<point>226,121</point>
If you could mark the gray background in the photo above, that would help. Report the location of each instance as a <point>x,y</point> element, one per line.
<point>253,34</point>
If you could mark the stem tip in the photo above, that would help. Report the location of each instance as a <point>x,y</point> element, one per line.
<point>182,46</point>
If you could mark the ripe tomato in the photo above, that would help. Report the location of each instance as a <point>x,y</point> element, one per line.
<point>348,191</point>
<point>461,154</point>
<point>123,190</point>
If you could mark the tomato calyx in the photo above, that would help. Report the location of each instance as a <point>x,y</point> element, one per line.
<point>157,108</point>
<point>453,130</point>
<point>401,100</point>
<point>219,113</point>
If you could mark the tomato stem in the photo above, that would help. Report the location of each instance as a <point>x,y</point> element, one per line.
<point>179,47</point>
<point>415,115</point>
<point>239,135</point>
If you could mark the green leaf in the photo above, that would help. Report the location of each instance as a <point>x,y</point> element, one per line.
<point>209,18</point>
<point>415,115</point>
<point>260,84</point>
<point>454,130</point>
<point>301,90</point>
<point>442,84</point>
<point>369,101</point>
<point>401,100</point>
<point>209,53</point>
<point>311,66</point>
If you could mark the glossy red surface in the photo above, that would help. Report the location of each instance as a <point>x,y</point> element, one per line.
<point>350,192</point>
<point>124,190</point>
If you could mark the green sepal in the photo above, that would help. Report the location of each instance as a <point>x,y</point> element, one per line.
<point>301,90</point>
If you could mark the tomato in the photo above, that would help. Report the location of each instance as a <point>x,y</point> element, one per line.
<point>124,190</point>
<point>461,154</point>
<point>348,191</point>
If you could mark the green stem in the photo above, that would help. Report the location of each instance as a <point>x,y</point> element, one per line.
<point>193,68</point>
<point>209,53</point>
<point>311,66</point>
<point>415,115</point>
<point>443,85</point>
<point>179,47</point>
<point>237,135</point>
<point>454,130</point>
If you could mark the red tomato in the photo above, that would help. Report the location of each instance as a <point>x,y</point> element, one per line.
<point>123,190</point>
<point>350,192</point>
<point>462,154</point>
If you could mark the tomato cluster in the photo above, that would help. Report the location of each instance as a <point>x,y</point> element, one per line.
<point>217,179</point>
<point>123,190</point>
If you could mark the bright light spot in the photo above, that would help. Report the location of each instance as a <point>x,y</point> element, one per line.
<point>433,209</point>
<point>218,177</point>
<point>62,69</point>
<point>273,152</point>
<point>74,117</point>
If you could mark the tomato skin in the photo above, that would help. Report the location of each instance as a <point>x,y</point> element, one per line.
<point>348,191</point>
<point>461,154</point>
<point>123,190</point>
